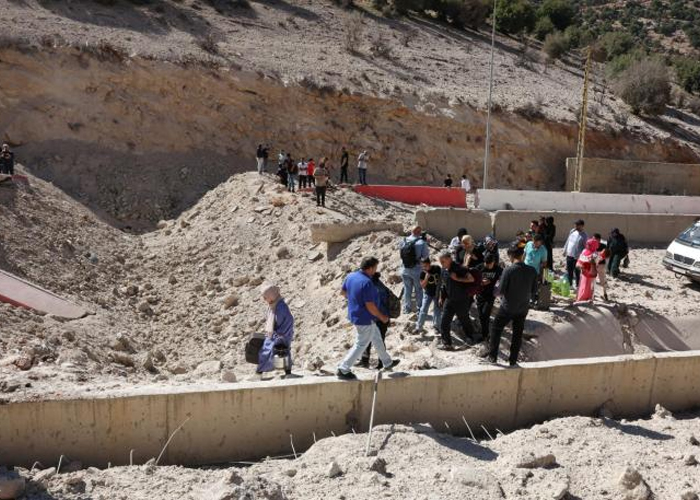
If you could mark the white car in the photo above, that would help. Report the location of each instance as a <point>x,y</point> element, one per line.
<point>683,255</point>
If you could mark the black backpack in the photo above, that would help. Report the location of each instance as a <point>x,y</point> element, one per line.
<point>408,254</point>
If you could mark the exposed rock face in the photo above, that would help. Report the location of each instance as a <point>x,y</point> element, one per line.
<point>197,139</point>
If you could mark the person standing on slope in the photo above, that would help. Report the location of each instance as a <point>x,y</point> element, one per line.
<point>344,162</point>
<point>412,250</point>
<point>362,168</point>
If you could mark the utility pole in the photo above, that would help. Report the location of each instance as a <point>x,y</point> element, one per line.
<point>582,126</point>
<point>488,112</point>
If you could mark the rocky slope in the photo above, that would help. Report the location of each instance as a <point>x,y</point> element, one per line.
<point>122,107</point>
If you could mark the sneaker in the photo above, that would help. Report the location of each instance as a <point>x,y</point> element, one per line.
<point>394,362</point>
<point>363,363</point>
<point>445,347</point>
<point>346,376</point>
<point>513,364</point>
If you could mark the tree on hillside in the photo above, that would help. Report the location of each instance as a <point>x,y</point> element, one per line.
<point>560,12</point>
<point>645,86</point>
<point>688,72</point>
<point>555,45</point>
<point>615,43</point>
<point>515,16</point>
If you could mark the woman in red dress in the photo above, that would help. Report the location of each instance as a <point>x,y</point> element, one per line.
<point>587,264</point>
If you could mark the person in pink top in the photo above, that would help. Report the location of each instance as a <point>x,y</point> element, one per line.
<point>310,170</point>
<point>587,264</point>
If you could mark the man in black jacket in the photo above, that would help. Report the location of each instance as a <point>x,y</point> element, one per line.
<point>454,299</point>
<point>518,284</point>
<point>7,160</point>
<point>490,274</point>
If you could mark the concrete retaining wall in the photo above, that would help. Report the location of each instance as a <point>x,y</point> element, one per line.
<point>601,175</point>
<point>650,229</point>
<point>496,199</point>
<point>340,232</point>
<point>444,222</point>
<point>254,420</point>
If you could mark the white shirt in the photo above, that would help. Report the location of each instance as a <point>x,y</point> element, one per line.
<point>466,185</point>
<point>303,168</point>
<point>362,161</point>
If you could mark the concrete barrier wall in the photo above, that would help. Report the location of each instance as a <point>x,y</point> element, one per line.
<point>650,229</point>
<point>601,175</point>
<point>444,222</point>
<point>254,420</point>
<point>340,232</point>
<point>496,199</point>
<point>418,195</point>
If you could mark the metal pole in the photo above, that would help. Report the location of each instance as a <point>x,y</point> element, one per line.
<point>371,416</point>
<point>580,147</point>
<point>488,112</point>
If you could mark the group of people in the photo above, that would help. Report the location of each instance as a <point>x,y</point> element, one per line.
<point>590,259</point>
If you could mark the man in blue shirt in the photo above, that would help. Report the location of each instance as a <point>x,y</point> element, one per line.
<point>536,253</point>
<point>413,250</point>
<point>363,310</point>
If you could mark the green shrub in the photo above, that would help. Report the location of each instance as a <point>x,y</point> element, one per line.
<point>515,16</point>
<point>404,6</point>
<point>616,43</point>
<point>555,45</point>
<point>645,86</point>
<point>543,27</point>
<point>688,72</point>
<point>560,12</point>
<point>624,61</point>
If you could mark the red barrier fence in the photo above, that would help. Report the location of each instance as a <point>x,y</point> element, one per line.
<point>416,195</point>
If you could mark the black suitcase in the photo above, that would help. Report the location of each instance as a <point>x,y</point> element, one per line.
<point>252,350</point>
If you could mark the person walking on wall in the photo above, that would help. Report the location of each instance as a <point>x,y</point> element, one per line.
<point>344,162</point>
<point>363,311</point>
<point>412,250</point>
<point>575,244</point>
<point>383,305</point>
<point>517,286</point>
<point>362,161</point>
<point>321,182</point>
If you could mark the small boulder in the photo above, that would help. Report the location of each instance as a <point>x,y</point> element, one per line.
<point>283,253</point>
<point>689,495</point>
<point>378,464</point>
<point>690,460</point>
<point>334,470</point>
<point>230,301</point>
<point>228,376</point>
<point>661,412</point>
<point>314,256</point>
<point>632,485</point>
<point>208,368</point>
<point>533,461</point>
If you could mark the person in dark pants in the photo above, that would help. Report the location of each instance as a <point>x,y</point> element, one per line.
<point>383,304</point>
<point>575,244</point>
<point>7,160</point>
<point>518,284</point>
<point>550,232</point>
<point>454,299</point>
<point>618,249</point>
<point>344,162</point>
<point>490,274</point>
<point>321,181</point>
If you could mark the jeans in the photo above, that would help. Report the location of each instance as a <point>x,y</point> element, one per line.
<point>411,282</point>
<point>321,196</point>
<point>365,335</point>
<point>572,271</point>
<point>383,327</point>
<point>291,179</point>
<point>344,175</point>
<point>362,176</point>
<point>485,306</point>
<point>302,181</point>
<point>425,307</point>
<point>261,165</point>
<point>499,323</point>
<point>461,309</point>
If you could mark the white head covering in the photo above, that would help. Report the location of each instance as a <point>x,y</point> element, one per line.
<point>271,292</point>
